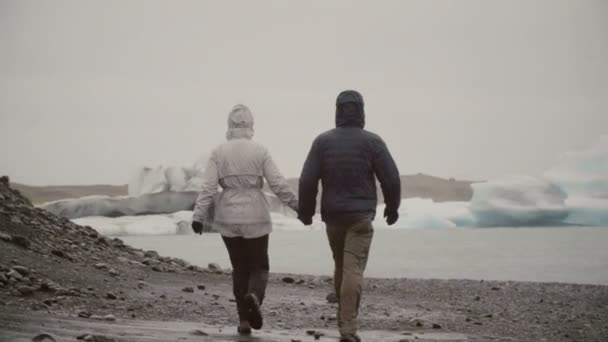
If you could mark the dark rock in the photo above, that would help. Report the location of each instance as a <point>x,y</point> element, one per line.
<point>288,280</point>
<point>332,298</point>
<point>39,306</point>
<point>157,268</point>
<point>15,275</point>
<point>495,288</point>
<point>111,296</point>
<point>61,254</point>
<point>198,332</point>
<point>21,241</point>
<point>102,241</point>
<point>436,326</point>
<point>26,290</point>
<point>22,270</point>
<point>318,335</point>
<point>5,237</point>
<point>43,338</point>
<point>151,254</point>
<point>214,267</point>
<point>201,287</point>
<point>477,298</point>
<point>188,289</point>
<point>84,314</point>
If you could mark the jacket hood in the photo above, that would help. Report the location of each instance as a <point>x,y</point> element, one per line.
<point>240,123</point>
<point>349,109</point>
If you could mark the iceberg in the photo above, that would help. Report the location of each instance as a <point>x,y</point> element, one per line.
<point>518,201</point>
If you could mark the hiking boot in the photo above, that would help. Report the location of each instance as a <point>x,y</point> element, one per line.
<point>350,338</point>
<point>244,328</point>
<point>255,311</point>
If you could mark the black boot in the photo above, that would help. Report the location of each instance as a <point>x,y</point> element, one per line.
<point>255,311</point>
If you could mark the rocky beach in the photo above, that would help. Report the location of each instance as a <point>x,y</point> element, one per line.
<point>70,282</point>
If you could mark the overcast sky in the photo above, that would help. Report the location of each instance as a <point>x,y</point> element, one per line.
<point>91,90</point>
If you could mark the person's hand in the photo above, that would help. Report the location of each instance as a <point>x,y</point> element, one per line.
<point>197,227</point>
<point>391,216</point>
<point>307,221</point>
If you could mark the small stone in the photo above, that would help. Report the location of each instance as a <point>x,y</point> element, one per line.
<point>5,237</point>
<point>201,287</point>
<point>3,278</point>
<point>84,314</point>
<point>477,298</point>
<point>101,266</point>
<point>15,275</point>
<point>113,272</point>
<point>157,268</point>
<point>21,241</point>
<point>332,298</point>
<point>151,254</point>
<point>198,332</point>
<point>495,288</point>
<point>288,280</point>
<point>26,290</point>
<point>141,284</point>
<point>111,295</point>
<point>436,326</point>
<point>214,267</point>
<point>60,253</point>
<point>82,337</point>
<point>188,289</point>
<point>38,306</point>
<point>109,318</point>
<point>318,335</point>
<point>310,332</point>
<point>22,270</point>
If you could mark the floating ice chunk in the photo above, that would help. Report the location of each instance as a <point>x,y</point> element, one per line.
<point>518,201</point>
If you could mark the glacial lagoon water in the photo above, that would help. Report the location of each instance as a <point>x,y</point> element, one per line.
<point>564,254</point>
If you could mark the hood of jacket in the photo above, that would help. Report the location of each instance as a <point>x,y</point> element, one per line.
<point>349,110</point>
<point>240,123</point>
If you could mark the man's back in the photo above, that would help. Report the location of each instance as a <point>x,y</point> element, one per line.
<point>347,160</point>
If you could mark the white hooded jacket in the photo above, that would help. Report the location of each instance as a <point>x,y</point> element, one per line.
<point>240,166</point>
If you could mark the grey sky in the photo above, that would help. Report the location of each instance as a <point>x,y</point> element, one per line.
<point>90,90</point>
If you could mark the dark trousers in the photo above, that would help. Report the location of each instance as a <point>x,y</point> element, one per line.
<point>250,266</point>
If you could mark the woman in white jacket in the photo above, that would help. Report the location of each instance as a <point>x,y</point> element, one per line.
<point>241,213</point>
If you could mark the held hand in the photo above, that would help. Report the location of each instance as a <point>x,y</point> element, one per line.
<point>197,227</point>
<point>391,216</point>
<point>307,221</point>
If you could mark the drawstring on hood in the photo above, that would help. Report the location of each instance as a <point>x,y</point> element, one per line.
<point>240,123</point>
<point>349,109</point>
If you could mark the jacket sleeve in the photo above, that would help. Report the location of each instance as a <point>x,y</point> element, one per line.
<point>309,182</point>
<point>208,191</point>
<point>387,173</point>
<point>278,184</point>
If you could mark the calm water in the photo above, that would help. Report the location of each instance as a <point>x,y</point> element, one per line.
<point>574,255</point>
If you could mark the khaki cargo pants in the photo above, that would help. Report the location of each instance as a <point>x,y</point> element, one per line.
<point>350,244</point>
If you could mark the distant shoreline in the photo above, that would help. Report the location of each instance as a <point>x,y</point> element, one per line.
<point>412,186</point>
